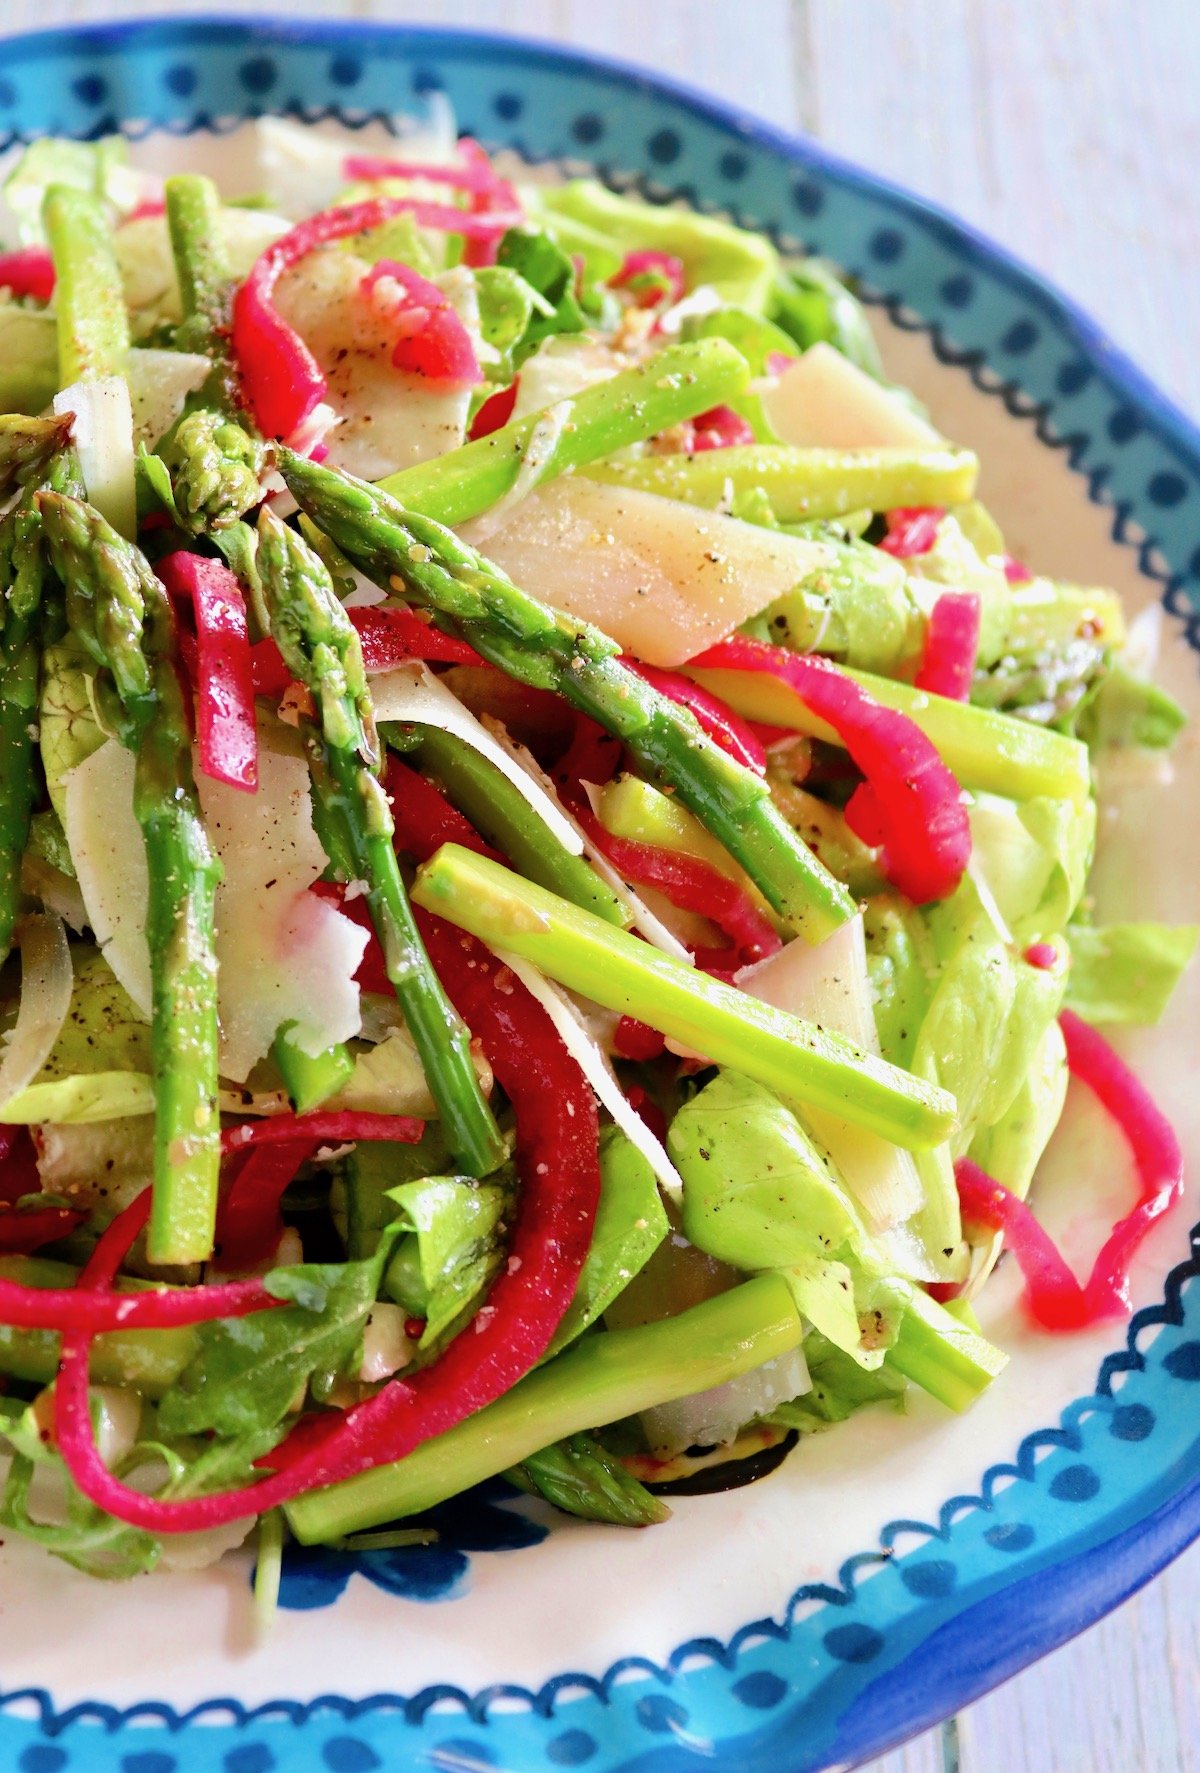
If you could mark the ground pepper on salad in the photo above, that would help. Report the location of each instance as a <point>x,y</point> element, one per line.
<point>544,849</point>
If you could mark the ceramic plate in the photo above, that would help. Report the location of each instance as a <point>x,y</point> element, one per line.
<point>886,1574</point>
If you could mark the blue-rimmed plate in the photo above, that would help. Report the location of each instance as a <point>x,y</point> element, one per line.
<point>890,1572</point>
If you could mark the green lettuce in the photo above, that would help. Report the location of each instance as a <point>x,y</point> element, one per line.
<point>1129,710</point>
<point>812,305</point>
<point>99,167</point>
<point>1126,972</point>
<point>28,358</point>
<point>451,1248</point>
<point>630,1225</point>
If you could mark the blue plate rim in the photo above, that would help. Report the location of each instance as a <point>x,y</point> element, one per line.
<point>1175,1522</point>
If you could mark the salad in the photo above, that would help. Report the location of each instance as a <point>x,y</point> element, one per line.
<point>544,848</point>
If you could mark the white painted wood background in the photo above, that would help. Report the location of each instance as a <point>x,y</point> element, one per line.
<point>1069,130</point>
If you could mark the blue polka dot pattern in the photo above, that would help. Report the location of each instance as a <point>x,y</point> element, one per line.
<point>38,1759</point>
<point>571,1749</point>
<point>664,146</point>
<point>1131,1422</point>
<point>508,106</point>
<point>426,80</point>
<point>760,1690</point>
<point>1166,489</point>
<point>90,89</point>
<point>180,79</point>
<point>254,1757</point>
<point>658,1713</point>
<point>1184,1362</point>
<point>1019,338</point>
<point>258,74</point>
<point>733,165</point>
<point>1010,1536</point>
<point>929,1579</point>
<point>958,291</point>
<point>345,70</point>
<point>1123,426</point>
<point>853,1643</point>
<point>807,197</point>
<point>349,1754</point>
<point>1073,378</point>
<point>149,1761</point>
<point>887,246</point>
<point>8,93</point>
<point>587,129</point>
<point>1074,1483</point>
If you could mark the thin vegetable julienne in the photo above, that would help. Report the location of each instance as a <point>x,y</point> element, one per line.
<point>548,650</point>
<point>615,969</point>
<point>322,650</point>
<point>120,613</point>
<point>678,383</point>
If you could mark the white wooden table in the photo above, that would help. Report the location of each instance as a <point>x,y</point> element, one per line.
<point>1069,130</point>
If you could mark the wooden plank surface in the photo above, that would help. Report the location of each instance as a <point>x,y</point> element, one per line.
<point>1069,130</point>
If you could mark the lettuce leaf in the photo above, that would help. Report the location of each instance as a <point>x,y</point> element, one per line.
<point>451,1247</point>
<point>1126,972</point>
<point>811,304</point>
<point>630,1224</point>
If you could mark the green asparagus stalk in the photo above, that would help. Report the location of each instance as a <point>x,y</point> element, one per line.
<point>310,1079</point>
<point>945,1357</point>
<point>675,385</point>
<point>601,1379</point>
<point>93,326</point>
<point>148,1360</point>
<point>322,650</point>
<point>214,460</point>
<point>804,483</point>
<point>985,750</point>
<point>578,1476</point>
<point>795,1058</point>
<point>120,613</point>
<point>505,818</point>
<point>548,650</point>
<point>27,446</point>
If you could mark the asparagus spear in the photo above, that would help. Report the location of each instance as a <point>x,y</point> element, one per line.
<point>321,649</point>
<point>542,647</point>
<point>506,819</point>
<point>93,326</point>
<point>215,461</point>
<point>148,1360</point>
<point>578,1476</point>
<point>120,613</point>
<point>600,1379</point>
<point>615,969</point>
<point>804,483</point>
<point>677,384</point>
<point>27,446</point>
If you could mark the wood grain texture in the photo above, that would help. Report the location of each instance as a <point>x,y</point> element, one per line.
<point>1070,131</point>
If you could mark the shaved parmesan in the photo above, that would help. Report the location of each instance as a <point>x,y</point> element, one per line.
<point>539,449</point>
<point>103,439</point>
<point>388,418</point>
<point>46,979</point>
<point>561,368</point>
<point>159,383</point>
<point>283,954</point>
<point>593,1062</point>
<point>663,578</point>
<point>713,1418</point>
<point>412,694</point>
<point>824,401</point>
<point>828,984</point>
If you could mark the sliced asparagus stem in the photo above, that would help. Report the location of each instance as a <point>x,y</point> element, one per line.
<point>985,750</point>
<point>120,613</point>
<point>804,483</point>
<point>680,382</point>
<point>354,822</point>
<point>93,325</point>
<point>215,461</point>
<point>505,818</point>
<point>613,968</point>
<point>308,1079</point>
<point>548,650</point>
<point>601,1379</point>
<point>944,1356</point>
